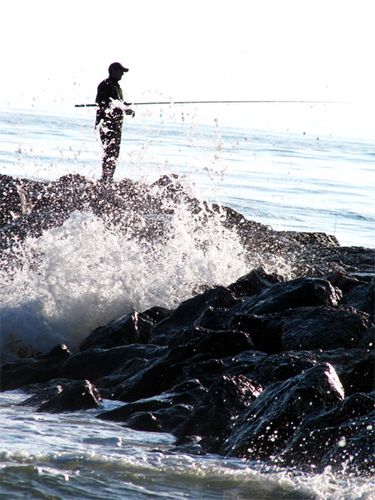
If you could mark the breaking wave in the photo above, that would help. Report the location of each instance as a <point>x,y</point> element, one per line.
<point>87,272</point>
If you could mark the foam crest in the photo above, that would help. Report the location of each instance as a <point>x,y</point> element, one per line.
<point>87,272</point>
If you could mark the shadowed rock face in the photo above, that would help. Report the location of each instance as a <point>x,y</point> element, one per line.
<point>212,418</point>
<point>130,329</point>
<point>263,430</point>
<point>267,368</point>
<point>339,433</point>
<point>42,368</point>
<point>78,395</point>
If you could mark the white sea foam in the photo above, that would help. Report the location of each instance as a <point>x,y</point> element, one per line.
<point>85,273</point>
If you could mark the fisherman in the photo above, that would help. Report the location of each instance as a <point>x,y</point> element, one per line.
<point>109,118</point>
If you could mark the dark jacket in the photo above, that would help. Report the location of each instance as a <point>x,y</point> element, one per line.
<point>109,89</point>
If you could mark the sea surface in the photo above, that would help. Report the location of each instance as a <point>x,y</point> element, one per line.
<point>88,275</point>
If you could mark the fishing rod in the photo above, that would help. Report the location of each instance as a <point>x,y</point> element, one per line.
<point>163,103</point>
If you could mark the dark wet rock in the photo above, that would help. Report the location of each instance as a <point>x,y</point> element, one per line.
<point>41,206</point>
<point>316,239</point>
<point>18,197</point>
<point>355,367</point>
<point>66,194</point>
<point>271,420</point>
<point>214,416</point>
<point>303,328</point>
<point>163,420</point>
<point>362,297</point>
<point>132,328</point>
<point>10,200</point>
<point>157,313</point>
<point>41,396</point>
<point>189,311</point>
<point>206,371</point>
<point>78,395</point>
<point>33,370</point>
<point>353,453</point>
<point>187,393</point>
<point>254,282</point>
<point>265,333</point>
<point>120,374</point>
<point>301,292</point>
<point>323,328</point>
<point>161,413</point>
<point>96,363</point>
<point>368,339</point>
<point>279,367</point>
<point>245,363</point>
<point>358,261</point>
<point>173,368</point>
<point>190,392</point>
<point>345,282</point>
<point>146,405</point>
<point>44,386</point>
<point>42,392</point>
<point>359,376</point>
<point>341,436</point>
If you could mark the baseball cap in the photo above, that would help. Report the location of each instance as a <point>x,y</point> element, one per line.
<point>116,66</point>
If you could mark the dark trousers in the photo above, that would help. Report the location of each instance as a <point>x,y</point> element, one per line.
<point>110,136</point>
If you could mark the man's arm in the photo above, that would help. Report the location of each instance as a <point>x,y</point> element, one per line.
<point>103,99</point>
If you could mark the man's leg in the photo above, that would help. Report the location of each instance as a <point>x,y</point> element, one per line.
<point>111,140</point>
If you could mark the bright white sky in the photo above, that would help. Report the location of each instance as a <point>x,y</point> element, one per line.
<point>55,52</point>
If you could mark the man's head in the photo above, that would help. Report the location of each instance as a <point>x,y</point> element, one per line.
<point>116,70</point>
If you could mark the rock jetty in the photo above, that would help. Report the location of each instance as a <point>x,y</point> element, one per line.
<point>267,368</point>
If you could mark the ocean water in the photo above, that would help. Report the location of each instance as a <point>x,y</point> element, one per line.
<point>88,275</point>
<point>289,180</point>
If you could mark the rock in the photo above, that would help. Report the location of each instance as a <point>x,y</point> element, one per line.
<point>189,311</point>
<point>340,436</point>
<point>78,395</point>
<point>353,454</point>
<point>10,204</point>
<point>301,292</point>
<point>316,239</point>
<point>129,329</point>
<point>176,366</point>
<point>213,417</point>
<point>262,430</point>
<point>358,261</point>
<point>245,363</point>
<point>345,282</point>
<point>157,314</point>
<point>279,367</point>
<point>41,206</point>
<point>196,370</point>
<point>42,395</point>
<point>254,282</point>
<point>163,420</point>
<point>368,339</point>
<point>323,328</point>
<point>33,370</point>
<point>96,363</point>
<point>359,376</point>
<point>162,413</point>
<point>66,194</point>
<point>120,374</point>
<point>362,297</point>
<point>302,328</point>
